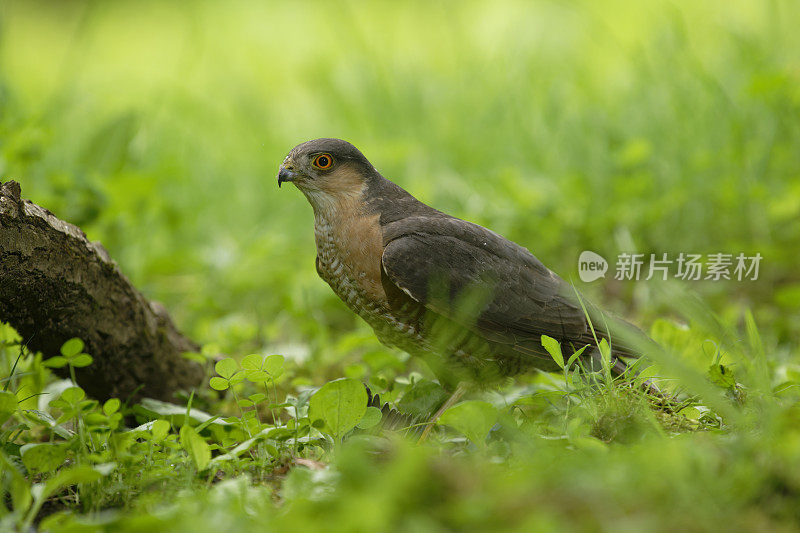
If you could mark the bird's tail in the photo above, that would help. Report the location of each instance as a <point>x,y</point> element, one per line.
<point>619,366</point>
<point>626,342</point>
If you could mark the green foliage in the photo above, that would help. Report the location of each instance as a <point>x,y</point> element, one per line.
<point>196,446</point>
<point>554,349</point>
<point>340,404</point>
<point>551,428</point>
<point>472,418</point>
<point>422,397</point>
<point>72,348</point>
<point>8,405</point>
<point>43,457</point>
<point>71,354</point>
<point>159,430</point>
<point>372,417</point>
<point>648,127</point>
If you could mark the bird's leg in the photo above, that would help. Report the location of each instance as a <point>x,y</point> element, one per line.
<point>451,401</point>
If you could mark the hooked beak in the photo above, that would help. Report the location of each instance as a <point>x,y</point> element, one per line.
<point>286,175</point>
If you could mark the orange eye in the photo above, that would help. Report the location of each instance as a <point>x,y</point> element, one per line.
<point>323,161</point>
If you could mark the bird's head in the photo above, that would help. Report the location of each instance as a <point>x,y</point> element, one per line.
<point>326,170</point>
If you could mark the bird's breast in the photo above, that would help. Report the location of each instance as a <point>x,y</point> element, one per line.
<point>349,253</point>
<point>349,259</point>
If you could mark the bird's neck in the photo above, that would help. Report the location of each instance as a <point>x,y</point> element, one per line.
<point>349,246</point>
<point>329,209</point>
<point>337,219</point>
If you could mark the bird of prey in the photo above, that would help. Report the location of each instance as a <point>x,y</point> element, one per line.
<point>472,303</point>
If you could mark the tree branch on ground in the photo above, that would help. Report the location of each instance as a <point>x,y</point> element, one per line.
<point>55,284</point>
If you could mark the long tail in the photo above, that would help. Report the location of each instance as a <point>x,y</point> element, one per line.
<point>626,342</point>
<point>620,367</point>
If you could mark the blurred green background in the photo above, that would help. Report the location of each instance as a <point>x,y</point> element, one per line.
<point>649,127</point>
<point>652,126</point>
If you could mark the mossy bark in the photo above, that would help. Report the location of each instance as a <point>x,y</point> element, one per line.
<point>55,284</point>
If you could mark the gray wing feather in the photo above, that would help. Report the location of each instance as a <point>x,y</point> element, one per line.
<point>438,260</point>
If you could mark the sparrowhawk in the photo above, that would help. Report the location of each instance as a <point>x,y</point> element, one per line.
<point>472,303</point>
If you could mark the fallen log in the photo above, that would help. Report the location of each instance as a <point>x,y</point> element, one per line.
<point>55,284</point>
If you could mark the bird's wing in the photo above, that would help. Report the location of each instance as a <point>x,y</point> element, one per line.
<point>444,263</point>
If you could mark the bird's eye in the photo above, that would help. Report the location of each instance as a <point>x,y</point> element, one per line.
<point>323,161</point>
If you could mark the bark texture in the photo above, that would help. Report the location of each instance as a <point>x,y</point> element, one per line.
<point>55,284</point>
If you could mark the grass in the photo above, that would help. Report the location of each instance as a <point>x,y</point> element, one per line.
<point>566,126</point>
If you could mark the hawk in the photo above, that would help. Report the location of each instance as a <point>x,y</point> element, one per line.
<point>472,303</point>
